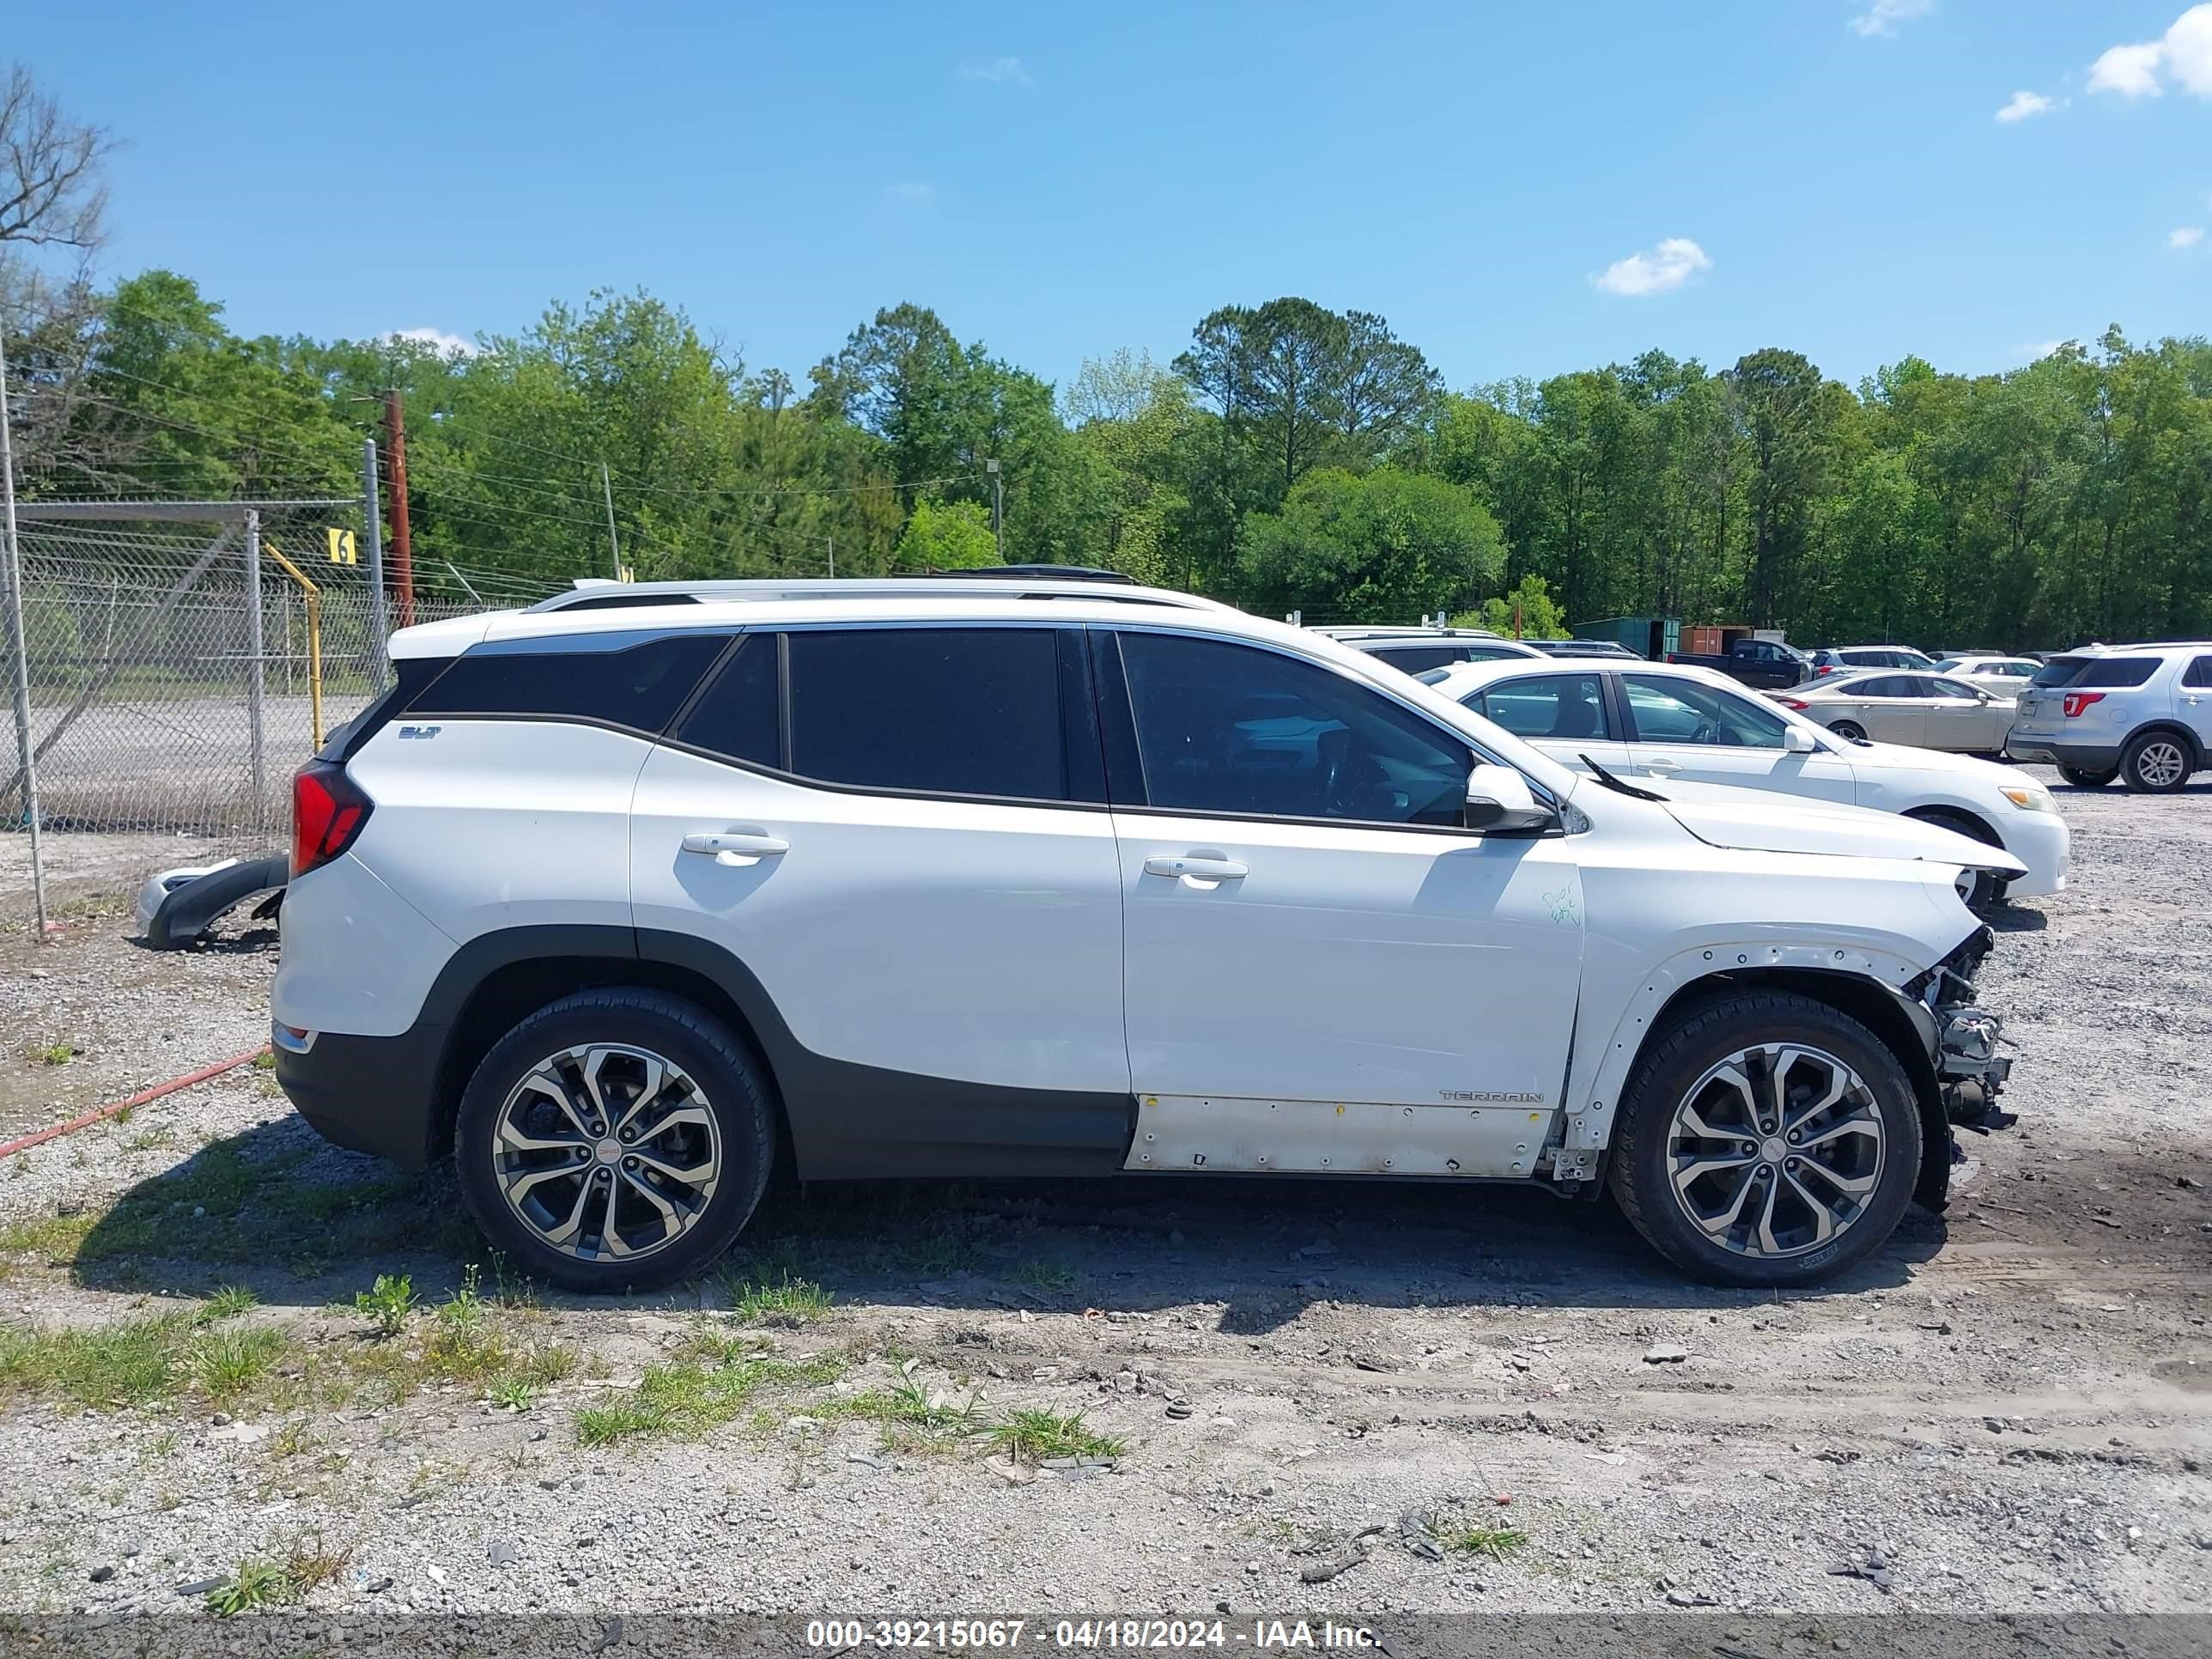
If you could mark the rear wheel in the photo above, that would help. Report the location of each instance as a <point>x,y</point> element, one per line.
<point>1850,730</point>
<point>2156,764</point>
<point>1766,1139</point>
<point>616,1140</point>
<point>2081,779</point>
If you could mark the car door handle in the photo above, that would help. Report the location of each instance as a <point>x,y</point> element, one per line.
<point>734,846</point>
<point>1192,864</point>
<point>1662,766</point>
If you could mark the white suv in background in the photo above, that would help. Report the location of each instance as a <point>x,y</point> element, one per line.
<point>1675,724</point>
<point>2141,714</point>
<point>1414,650</point>
<point>1006,878</point>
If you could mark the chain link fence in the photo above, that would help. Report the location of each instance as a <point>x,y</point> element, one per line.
<point>178,669</point>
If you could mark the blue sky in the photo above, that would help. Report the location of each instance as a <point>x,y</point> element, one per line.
<point>1521,189</point>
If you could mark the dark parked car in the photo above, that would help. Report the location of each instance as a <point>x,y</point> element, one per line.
<point>1767,665</point>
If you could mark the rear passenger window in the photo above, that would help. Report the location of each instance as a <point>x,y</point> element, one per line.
<point>2116,672</point>
<point>1231,728</point>
<point>613,677</point>
<point>740,714</point>
<point>1564,705</point>
<point>946,711</point>
<point>2200,672</point>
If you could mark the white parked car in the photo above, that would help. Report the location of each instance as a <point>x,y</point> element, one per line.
<point>1675,724</point>
<point>1414,650</point>
<point>1927,711</point>
<point>1002,877</point>
<point>2002,677</point>
<point>2140,713</point>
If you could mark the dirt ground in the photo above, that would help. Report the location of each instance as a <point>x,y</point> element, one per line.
<point>1209,1395</point>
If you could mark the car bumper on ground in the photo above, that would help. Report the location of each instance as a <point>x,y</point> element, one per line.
<point>2057,752</point>
<point>2042,842</point>
<point>368,1094</point>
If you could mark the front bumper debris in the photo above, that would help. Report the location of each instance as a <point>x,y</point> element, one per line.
<point>1969,1070</point>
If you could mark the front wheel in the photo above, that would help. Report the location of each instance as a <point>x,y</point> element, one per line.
<point>614,1140</point>
<point>2096,779</point>
<point>1766,1139</point>
<point>2156,764</point>
<point>1849,730</point>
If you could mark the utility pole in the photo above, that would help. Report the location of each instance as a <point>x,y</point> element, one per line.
<point>403,558</point>
<point>372,526</point>
<point>614,547</point>
<point>12,577</point>
<point>998,509</point>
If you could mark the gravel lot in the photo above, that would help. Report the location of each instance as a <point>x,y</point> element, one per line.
<point>2005,1411</point>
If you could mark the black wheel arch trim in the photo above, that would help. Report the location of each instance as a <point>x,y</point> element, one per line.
<point>397,1096</point>
<point>2191,745</point>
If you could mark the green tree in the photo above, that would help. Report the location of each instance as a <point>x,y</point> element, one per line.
<point>1540,617</point>
<point>1384,546</point>
<point>947,536</point>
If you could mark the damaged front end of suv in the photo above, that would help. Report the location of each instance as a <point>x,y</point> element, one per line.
<point>1962,1039</point>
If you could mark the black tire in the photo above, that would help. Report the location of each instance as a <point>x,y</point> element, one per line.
<point>2157,763</point>
<point>1682,1053</point>
<point>1849,730</point>
<point>1988,891</point>
<point>2089,780</point>
<point>735,1093</point>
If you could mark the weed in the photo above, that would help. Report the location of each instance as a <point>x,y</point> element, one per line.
<point>258,1583</point>
<point>126,1363</point>
<point>57,1238</point>
<point>265,1061</point>
<point>227,1303</point>
<point>515,1393</point>
<point>161,1445</point>
<point>386,1303</point>
<point>1049,1277</point>
<point>148,1140</point>
<point>1033,1437</point>
<point>1496,1542</point>
<point>705,1386</point>
<point>789,1301</point>
<point>53,1054</point>
<point>226,1363</point>
<point>309,1562</point>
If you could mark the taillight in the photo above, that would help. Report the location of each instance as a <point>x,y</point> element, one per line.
<point>2077,701</point>
<point>328,811</point>
<point>1797,703</point>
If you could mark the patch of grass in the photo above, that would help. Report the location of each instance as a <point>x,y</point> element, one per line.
<point>1032,1436</point>
<point>265,1061</point>
<point>227,1303</point>
<point>707,1385</point>
<point>226,1363</point>
<point>1495,1542</point>
<point>126,1363</point>
<point>515,1393</point>
<point>789,1301</point>
<point>1049,1277</point>
<point>386,1305</point>
<point>257,1583</point>
<point>148,1140</point>
<point>58,1237</point>
<point>53,1054</point>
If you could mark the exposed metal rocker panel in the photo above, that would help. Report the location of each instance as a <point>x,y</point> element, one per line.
<point>1331,1137</point>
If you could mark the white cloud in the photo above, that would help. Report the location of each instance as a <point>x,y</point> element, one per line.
<point>2186,236</point>
<point>999,71</point>
<point>1656,270</point>
<point>1884,15</point>
<point>2182,55</point>
<point>445,344</point>
<point>911,194</point>
<point>2026,104</point>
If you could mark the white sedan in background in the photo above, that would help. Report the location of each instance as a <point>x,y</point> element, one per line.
<point>1665,723</point>
<point>1928,711</point>
<point>2002,677</point>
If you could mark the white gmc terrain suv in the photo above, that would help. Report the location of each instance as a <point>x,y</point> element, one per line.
<point>621,897</point>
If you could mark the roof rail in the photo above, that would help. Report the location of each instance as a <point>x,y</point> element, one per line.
<point>606,596</point>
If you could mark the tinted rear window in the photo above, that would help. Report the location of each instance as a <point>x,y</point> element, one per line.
<point>2091,673</point>
<point>1413,658</point>
<point>951,711</point>
<point>740,714</point>
<point>639,685</point>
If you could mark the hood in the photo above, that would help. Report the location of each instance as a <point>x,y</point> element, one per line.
<point>1901,757</point>
<point>1757,823</point>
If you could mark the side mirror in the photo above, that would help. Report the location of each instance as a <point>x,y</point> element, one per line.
<point>1796,740</point>
<point>1498,803</point>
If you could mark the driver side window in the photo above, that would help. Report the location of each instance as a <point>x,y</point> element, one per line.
<point>1681,711</point>
<point>1239,730</point>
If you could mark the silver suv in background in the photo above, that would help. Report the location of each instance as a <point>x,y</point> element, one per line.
<point>1414,650</point>
<point>2140,713</point>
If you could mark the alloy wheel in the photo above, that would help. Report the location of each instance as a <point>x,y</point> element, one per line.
<point>1776,1151</point>
<point>606,1152</point>
<point>2161,765</point>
